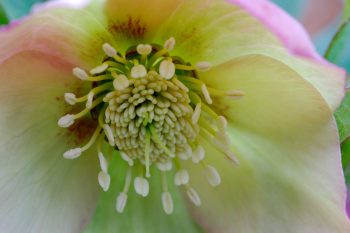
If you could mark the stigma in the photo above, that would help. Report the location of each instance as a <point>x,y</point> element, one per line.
<point>153,111</point>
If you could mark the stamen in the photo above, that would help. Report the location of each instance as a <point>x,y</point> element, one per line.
<point>193,195</point>
<point>123,197</point>
<point>222,123</point>
<point>103,162</point>
<point>72,153</point>
<point>104,180</point>
<point>109,134</point>
<point>167,199</point>
<point>90,98</point>
<point>120,82</point>
<point>127,159</point>
<point>169,44</point>
<point>66,121</point>
<point>141,186</point>
<point>121,202</point>
<point>196,114</point>
<point>230,155</point>
<point>181,177</point>
<point>144,49</point>
<point>109,50</point>
<point>165,166</point>
<point>99,69</point>
<point>203,66</point>
<point>80,73</point>
<point>138,71</point>
<point>168,204</point>
<point>213,176</point>
<point>147,151</point>
<point>206,94</point>
<point>185,155</point>
<point>167,69</point>
<point>70,98</point>
<point>198,154</point>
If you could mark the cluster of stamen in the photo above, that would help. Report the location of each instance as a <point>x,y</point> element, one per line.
<point>153,110</point>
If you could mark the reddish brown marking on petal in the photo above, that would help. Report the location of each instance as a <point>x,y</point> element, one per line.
<point>132,28</point>
<point>81,131</point>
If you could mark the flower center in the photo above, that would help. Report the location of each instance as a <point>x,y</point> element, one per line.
<point>153,109</point>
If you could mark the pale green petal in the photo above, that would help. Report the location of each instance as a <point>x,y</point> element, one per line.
<point>141,215</point>
<point>290,177</point>
<point>217,31</point>
<point>41,191</point>
<point>138,19</point>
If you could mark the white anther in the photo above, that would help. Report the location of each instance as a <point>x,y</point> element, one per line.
<point>70,98</point>
<point>235,94</point>
<point>167,166</point>
<point>185,155</point>
<point>72,153</point>
<point>141,186</point>
<point>121,202</point>
<point>103,162</point>
<point>222,123</point>
<point>198,154</point>
<point>104,180</point>
<point>167,69</point>
<point>109,134</point>
<point>66,121</point>
<point>213,176</point>
<point>90,98</point>
<point>196,113</point>
<point>80,73</point>
<point>127,159</point>
<point>138,71</point>
<point>181,177</point>
<point>206,94</point>
<point>99,69</point>
<point>109,50</point>
<point>120,82</point>
<point>169,44</point>
<point>230,155</point>
<point>144,49</point>
<point>167,202</point>
<point>194,197</point>
<point>223,138</point>
<point>203,66</point>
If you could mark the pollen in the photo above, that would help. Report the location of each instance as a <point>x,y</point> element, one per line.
<point>154,112</point>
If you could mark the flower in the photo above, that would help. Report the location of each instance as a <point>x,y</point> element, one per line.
<point>241,78</point>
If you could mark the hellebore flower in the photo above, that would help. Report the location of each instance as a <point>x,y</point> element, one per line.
<point>153,94</point>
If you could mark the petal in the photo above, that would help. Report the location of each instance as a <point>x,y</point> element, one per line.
<point>141,214</point>
<point>71,34</point>
<point>138,19</point>
<point>219,32</point>
<point>40,191</point>
<point>290,177</point>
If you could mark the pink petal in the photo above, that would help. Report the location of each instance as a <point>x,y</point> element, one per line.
<point>289,31</point>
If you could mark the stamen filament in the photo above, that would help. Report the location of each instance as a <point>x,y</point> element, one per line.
<point>184,67</point>
<point>87,110</point>
<point>99,78</point>
<point>92,139</point>
<point>147,151</point>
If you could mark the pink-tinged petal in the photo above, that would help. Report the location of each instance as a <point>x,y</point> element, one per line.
<point>60,3</point>
<point>290,177</point>
<point>221,31</point>
<point>40,191</point>
<point>71,34</point>
<point>320,13</point>
<point>348,204</point>
<point>286,28</point>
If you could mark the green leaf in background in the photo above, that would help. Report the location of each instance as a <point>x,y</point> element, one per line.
<point>342,115</point>
<point>346,10</point>
<point>339,49</point>
<point>18,8</point>
<point>3,17</point>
